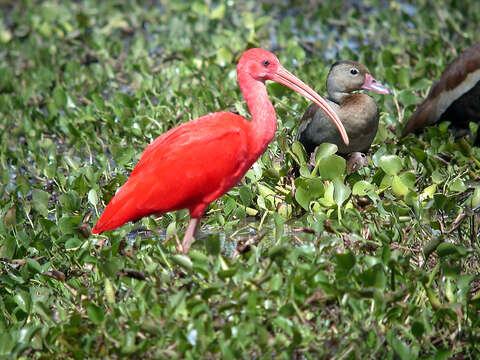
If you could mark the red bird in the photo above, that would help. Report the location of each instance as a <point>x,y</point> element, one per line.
<point>195,163</point>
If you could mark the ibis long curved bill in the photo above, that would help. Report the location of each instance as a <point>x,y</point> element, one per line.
<point>286,78</point>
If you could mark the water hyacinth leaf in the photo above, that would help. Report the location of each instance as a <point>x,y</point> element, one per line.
<point>23,185</point>
<point>299,153</point>
<point>408,178</point>
<point>6,343</point>
<point>182,261</point>
<point>445,249</point>
<point>401,349</point>
<point>407,97</point>
<point>218,13</point>
<point>331,167</point>
<point>362,187</point>
<point>443,354</point>
<point>200,8</point>
<point>475,198</point>
<point>428,192</point>
<point>112,266</point>
<point>213,244</point>
<point>345,263</point>
<point>374,277</point>
<point>95,313</point>
<point>308,189</point>
<point>70,200</point>
<point>109,291</point>
<point>34,265</point>
<point>10,217</point>
<point>398,187</point>
<point>73,244</point>
<point>40,201</point>
<point>68,225</point>
<point>93,197</point>
<point>457,186</point>
<point>391,164</point>
<point>24,301</point>
<point>224,56</point>
<point>418,329</point>
<point>341,192</point>
<point>59,97</point>
<point>328,196</point>
<point>246,195</point>
<point>325,150</point>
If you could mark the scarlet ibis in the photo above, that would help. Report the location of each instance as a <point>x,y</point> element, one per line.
<point>357,111</point>
<point>455,97</point>
<point>193,164</point>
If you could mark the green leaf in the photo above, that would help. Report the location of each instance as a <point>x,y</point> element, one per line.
<point>362,187</point>
<point>391,164</point>
<point>10,217</point>
<point>95,313</point>
<point>308,189</point>
<point>401,349</point>
<point>213,244</point>
<point>24,301</point>
<point>443,354</point>
<point>398,187</point>
<point>325,150</point>
<point>68,225</point>
<point>246,195</point>
<point>93,197</point>
<point>446,249</point>
<point>331,167</point>
<point>6,343</point>
<point>374,277</point>
<point>475,198</point>
<point>418,329</point>
<point>183,261</point>
<point>34,265</point>
<point>200,8</point>
<point>224,56</point>
<point>457,186</point>
<point>341,192</point>
<point>40,201</point>
<point>218,13</point>
<point>59,97</point>
<point>73,244</point>
<point>407,97</point>
<point>109,291</point>
<point>70,200</point>
<point>299,153</point>
<point>345,263</point>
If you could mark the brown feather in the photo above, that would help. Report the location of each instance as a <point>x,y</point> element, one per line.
<point>453,76</point>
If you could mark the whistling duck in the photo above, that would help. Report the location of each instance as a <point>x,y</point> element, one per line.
<point>455,97</point>
<point>357,111</point>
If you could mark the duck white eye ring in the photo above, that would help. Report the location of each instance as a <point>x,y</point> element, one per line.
<point>353,71</point>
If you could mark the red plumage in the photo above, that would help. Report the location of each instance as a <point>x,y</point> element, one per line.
<point>183,169</point>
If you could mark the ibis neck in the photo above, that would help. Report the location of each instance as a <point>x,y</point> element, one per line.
<point>264,120</point>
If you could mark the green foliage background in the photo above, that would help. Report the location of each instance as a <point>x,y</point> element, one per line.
<point>378,264</point>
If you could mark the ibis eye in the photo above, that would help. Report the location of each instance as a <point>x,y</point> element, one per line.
<point>354,71</point>
<point>266,63</point>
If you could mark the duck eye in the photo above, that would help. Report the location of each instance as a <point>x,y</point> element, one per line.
<point>266,63</point>
<point>354,71</point>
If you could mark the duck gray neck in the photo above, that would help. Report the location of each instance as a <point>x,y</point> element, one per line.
<point>337,96</point>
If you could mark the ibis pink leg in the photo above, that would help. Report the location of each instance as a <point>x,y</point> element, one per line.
<point>189,234</point>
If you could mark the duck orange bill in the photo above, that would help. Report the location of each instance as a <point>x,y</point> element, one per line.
<point>286,78</point>
<point>373,85</point>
